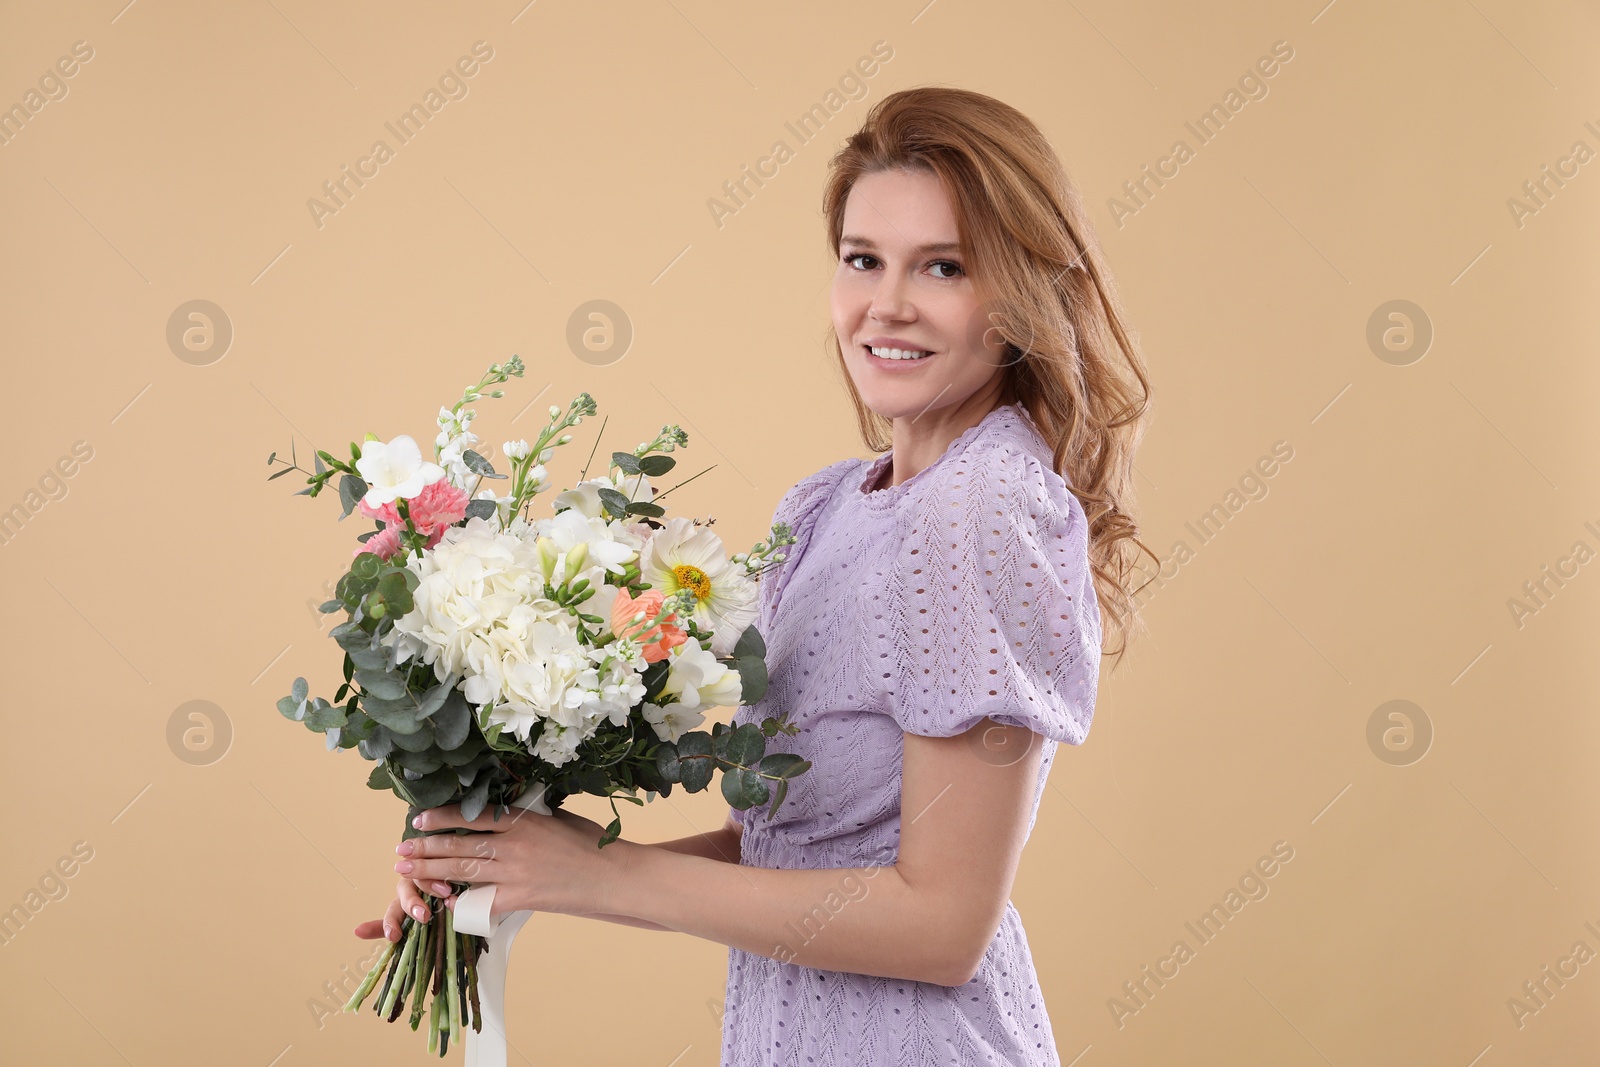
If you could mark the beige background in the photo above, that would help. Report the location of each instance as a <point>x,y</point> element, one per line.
<point>1380,564</point>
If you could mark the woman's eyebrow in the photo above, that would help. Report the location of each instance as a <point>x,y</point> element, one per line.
<point>864,242</point>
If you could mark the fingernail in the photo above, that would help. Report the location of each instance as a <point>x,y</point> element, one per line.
<point>404,848</point>
<point>440,889</point>
<point>420,912</point>
<point>388,931</point>
<point>404,866</point>
<point>417,822</point>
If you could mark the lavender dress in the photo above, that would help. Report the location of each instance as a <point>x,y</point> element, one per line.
<point>918,608</point>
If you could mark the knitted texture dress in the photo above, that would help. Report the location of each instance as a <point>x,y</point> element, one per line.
<point>920,608</point>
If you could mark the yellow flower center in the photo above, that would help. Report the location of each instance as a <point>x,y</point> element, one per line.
<point>693,579</point>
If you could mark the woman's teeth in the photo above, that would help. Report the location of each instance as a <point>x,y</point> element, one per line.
<point>896,353</point>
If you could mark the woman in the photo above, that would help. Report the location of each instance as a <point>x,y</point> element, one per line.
<point>935,631</point>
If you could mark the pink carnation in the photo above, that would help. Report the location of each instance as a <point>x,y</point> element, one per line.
<point>384,544</point>
<point>440,504</point>
<point>388,514</point>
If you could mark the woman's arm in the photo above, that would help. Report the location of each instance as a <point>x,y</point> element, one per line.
<point>722,845</point>
<point>930,917</point>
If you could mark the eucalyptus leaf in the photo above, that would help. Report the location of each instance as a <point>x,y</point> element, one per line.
<point>745,745</point>
<point>656,466</point>
<point>434,699</point>
<point>472,804</point>
<point>614,502</point>
<point>627,461</point>
<point>379,745</point>
<point>324,716</point>
<point>695,761</point>
<point>453,721</point>
<point>478,465</point>
<point>752,679</point>
<point>743,788</point>
<point>784,765</point>
<point>370,659</point>
<point>399,716</point>
<point>750,643</point>
<point>351,489</point>
<point>481,509</point>
<point>781,791</point>
<point>386,685</point>
<point>423,762</point>
<point>418,741</point>
<point>463,754</point>
<point>432,790</point>
<point>379,778</point>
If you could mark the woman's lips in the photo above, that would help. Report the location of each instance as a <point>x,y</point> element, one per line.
<point>895,364</point>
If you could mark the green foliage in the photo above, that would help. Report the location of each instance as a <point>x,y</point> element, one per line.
<point>740,754</point>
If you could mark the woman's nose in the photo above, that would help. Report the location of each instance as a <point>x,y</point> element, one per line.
<point>889,301</point>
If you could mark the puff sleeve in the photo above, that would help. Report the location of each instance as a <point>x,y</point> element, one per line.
<point>989,607</point>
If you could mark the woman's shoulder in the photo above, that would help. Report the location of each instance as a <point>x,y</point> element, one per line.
<point>1007,468</point>
<point>813,488</point>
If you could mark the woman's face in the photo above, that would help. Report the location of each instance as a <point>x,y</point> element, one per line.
<point>901,280</point>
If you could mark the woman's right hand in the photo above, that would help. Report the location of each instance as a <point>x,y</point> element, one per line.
<point>407,901</point>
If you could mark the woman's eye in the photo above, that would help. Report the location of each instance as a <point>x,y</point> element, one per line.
<point>955,267</point>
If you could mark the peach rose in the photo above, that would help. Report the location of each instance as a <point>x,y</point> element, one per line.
<point>659,640</point>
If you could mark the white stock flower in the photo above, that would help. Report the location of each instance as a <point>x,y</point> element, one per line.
<point>682,555</point>
<point>699,680</point>
<point>515,449</point>
<point>394,469</point>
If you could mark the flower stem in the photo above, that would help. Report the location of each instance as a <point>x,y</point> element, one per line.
<point>407,957</point>
<point>354,1003</point>
<point>472,982</point>
<point>454,988</point>
<point>377,1005</point>
<point>426,965</point>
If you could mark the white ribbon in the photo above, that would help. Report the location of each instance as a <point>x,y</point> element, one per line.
<point>488,1047</point>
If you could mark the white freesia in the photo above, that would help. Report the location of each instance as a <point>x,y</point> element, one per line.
<point>394,470</point>
<point>682,555</point>
<point>699,680</point>
<point>671,721</point>
<point>585,496</point>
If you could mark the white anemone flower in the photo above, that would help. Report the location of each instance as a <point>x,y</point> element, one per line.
<point>394,470</point>
<point>682,555</point>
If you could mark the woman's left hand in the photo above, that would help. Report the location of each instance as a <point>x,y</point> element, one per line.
<point>536,862</point>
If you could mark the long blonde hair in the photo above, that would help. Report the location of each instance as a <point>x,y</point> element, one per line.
<point>1030,248</point>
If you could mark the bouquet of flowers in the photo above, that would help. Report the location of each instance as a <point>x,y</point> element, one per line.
<point>487,652</point>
